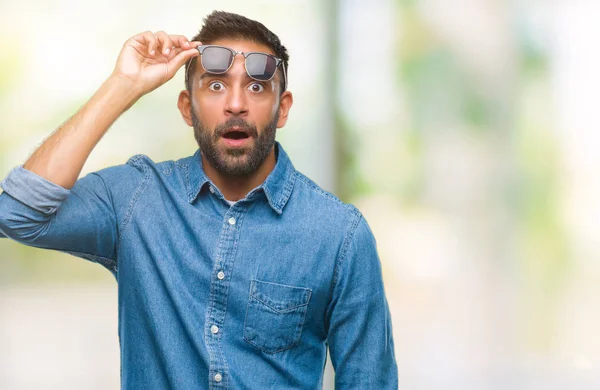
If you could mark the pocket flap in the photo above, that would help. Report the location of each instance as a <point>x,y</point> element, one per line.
<point>279,297</point>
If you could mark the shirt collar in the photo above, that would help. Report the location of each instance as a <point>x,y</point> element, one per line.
<point>277,187</point>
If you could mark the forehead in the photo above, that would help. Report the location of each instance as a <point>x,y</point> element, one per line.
<point>243,45</point>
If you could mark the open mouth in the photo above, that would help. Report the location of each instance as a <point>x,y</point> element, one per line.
<point>235,135</point>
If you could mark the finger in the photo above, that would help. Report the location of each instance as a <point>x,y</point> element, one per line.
<point>165,43</point>
<point>174,52</point>
<point>191,45</point>
<point>148,40</point>
<point>180,59</point>
<point>180,41</point>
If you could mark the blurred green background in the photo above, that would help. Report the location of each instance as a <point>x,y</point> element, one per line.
<point>463,130</point>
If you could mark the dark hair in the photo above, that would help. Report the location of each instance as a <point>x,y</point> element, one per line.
<point>225,25</point>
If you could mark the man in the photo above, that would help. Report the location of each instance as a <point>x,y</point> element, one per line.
<point>234,270</point>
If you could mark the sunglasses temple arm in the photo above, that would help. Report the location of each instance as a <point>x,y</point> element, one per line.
<point>187,70</point>
<point>285,82</point>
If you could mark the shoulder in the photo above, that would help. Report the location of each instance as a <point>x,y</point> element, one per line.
<point>141,165</point>
<point>334,211</point>
<point>307,188</point>
<point>132,174</point>
<point>147,165</point>
<point>131,171</point>
<point>324,206</point>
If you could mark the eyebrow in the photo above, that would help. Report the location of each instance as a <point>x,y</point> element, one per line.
<point>208,75</point>
<point>226,75</point>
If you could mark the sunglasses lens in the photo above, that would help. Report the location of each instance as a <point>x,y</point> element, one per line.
<point>216,59</point>
<point>261,66</point>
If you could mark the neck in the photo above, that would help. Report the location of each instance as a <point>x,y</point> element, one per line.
<point>237,187</point>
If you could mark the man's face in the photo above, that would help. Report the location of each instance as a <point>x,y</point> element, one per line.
<point>234,116</point>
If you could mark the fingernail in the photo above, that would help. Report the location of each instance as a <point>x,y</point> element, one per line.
<point>167,51</point>
<point>152,52</point>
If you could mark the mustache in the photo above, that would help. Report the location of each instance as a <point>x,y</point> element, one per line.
<point>244,126</point>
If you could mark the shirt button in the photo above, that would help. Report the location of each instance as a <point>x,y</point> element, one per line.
<point>231,221</point>
<point>212,190</point>
<point>214,329</point>
<point>218,377</point>
<point>221,275</point>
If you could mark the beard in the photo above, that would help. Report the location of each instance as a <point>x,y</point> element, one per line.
<point>235,161</point>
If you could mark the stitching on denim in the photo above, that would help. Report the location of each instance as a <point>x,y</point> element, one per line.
<point>272,352</point>
<point>284,285</point>
<point>277,350</point>
<point>135,161</point>
<point>236,241</point>
<point>220,344</point>
<point>213,288</point>
<point>343,251</point>
<point>346,245</point>
<point>183,162</point>
<point>306,290</point>
<point>166,167</point>
<point>219,259</point>
<point>287,309</point>
<point>111,264</point>
<point>300,324</point>
<point>112,204</point>
<point>247,310</point>
<point>319,190</point>
<point>287,191</point>
<point>188,185</point>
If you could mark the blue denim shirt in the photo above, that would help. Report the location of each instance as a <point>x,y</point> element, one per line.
<point>216,296</point>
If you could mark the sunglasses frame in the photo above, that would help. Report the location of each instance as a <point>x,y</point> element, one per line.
<point>278,61</point>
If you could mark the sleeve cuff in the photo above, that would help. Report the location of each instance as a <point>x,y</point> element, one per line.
<point>33,190</point>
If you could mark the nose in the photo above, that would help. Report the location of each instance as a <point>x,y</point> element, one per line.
<point>236,103</point>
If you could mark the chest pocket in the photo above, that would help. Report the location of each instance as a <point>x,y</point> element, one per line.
<point>275,315</point>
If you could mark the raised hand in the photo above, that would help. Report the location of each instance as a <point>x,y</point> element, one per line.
<point>148,60</point>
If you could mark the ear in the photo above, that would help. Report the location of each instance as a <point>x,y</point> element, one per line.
<point>285,103</point>
<point>184,103</point>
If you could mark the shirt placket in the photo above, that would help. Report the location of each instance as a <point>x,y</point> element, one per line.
<point>220,281</point>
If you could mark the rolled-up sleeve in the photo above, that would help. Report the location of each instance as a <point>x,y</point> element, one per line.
<point>80,221</point>
<point>360,338</point>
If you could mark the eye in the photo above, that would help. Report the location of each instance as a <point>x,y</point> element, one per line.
<point>256,87</point>
<point>216,86</point>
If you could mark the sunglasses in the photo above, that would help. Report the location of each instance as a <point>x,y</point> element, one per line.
<point>259,66</point>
